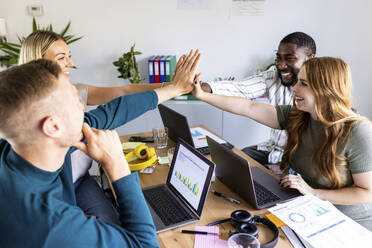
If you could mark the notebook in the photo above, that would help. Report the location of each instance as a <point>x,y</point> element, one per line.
<point>257,187</point>
<point>178,127</point>
<point>181,200</point>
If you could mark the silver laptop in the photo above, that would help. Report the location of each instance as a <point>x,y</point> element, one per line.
<point>181,200</point>
<point>254,185</point>
<point>178,127</point>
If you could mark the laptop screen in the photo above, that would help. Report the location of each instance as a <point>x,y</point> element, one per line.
<point>190,175</point>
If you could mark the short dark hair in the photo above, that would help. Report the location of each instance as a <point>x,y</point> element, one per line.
<point>302,40</point>
<point>21,85</point>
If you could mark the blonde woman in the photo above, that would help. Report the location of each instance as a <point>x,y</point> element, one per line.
<point>329,145</point>
<point>51,46</point>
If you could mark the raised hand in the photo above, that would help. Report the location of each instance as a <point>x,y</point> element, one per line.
<point>104,146</point>
<point>179,62</point>
<point>198,91</point>
<point>186,70</point>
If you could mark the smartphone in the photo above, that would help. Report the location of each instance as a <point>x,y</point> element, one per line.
<point>146,139</point>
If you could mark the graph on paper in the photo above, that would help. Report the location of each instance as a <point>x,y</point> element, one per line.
<point>321,224</point>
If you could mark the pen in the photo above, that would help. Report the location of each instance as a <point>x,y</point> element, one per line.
<point>219,222</point>
<point>198,232</point>
<point>230,199</point>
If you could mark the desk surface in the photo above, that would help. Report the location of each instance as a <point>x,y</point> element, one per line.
<point>216,208</point>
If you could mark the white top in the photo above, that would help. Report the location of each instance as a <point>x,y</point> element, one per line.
<point>80,162</point>
<point>267,84</point>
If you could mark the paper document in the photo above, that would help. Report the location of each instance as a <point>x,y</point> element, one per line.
<point>199,137</point>
<point>321,224</point>
<point>196,4</point>
<point>207,241</point>
<point>247,7</point>
<point>295,240</point>
<point>131,145</point>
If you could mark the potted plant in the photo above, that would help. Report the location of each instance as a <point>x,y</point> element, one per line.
<point>12,50</point>
<point>128,67</point>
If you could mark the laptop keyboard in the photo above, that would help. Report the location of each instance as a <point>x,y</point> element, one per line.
<point>263,195</point>
<point>166,207</point>
<point>203,150</point>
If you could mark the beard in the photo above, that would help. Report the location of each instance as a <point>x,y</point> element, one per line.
<point>292,82</point>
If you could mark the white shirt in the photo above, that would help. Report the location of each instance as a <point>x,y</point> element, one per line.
<point>267,84</point>
<point>80,162</point>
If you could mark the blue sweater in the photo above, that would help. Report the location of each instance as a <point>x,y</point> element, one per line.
<point>38,208</point>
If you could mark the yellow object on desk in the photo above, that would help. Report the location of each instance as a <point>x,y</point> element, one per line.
<point>275,220</point>
<point>145,154</point>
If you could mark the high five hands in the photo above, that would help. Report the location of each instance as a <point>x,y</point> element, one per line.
<point>185,72</point>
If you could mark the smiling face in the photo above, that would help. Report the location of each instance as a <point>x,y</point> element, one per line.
<point>60,53</point>
<point>288,62</point>
<point>303,95</point>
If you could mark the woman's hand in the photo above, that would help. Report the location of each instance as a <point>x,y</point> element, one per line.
<point>185,71</point>
<point>296,182</point>
<point>179,63</point>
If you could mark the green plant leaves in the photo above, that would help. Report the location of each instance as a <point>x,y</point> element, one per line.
<point>127,66</point>
<point>11,50</point>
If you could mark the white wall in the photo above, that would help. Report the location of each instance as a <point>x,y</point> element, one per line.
<point>230,45</point>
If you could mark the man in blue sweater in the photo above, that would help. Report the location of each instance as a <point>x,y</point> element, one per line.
<point>41,118</point>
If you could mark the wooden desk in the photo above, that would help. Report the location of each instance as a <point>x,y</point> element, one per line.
<point>216,208</point>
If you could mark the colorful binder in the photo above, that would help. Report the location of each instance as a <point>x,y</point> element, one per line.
<point>151,69</point>
<point>156,70</point>
<point>162,68</point>
<point>170,65</point>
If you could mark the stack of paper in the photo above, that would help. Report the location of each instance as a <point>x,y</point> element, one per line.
<point>321,224</point>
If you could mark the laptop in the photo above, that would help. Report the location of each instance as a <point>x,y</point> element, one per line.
<point>181,200</point>
<point>178,127</point>
<point>254,185</point>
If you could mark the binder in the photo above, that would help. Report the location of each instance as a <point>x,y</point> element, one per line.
<point>162,68</point>
<point>186,97</point>
<point>151,69</point>
<point>156,70</point>
<point>170,66</point>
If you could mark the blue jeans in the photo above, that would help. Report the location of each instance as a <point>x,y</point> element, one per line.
<point>93,201</point>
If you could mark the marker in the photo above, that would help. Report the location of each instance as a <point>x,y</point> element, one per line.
<point>230,199</point>
<point>198,232</point>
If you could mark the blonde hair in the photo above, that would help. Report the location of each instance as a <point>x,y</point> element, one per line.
<point>36,44</point>
<point>330,80</point>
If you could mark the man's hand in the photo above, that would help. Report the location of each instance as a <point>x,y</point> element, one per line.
<point>104,146</point>
<point>206,87</point>
<point>185,71</point>
<point>197,91</point>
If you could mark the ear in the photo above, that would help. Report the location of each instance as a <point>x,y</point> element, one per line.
<point>310,56</point>
<point>51,126</point>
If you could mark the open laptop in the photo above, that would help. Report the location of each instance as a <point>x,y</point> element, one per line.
<point>178,127</point>
<point>256,186</point>
<point>181,200</point>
